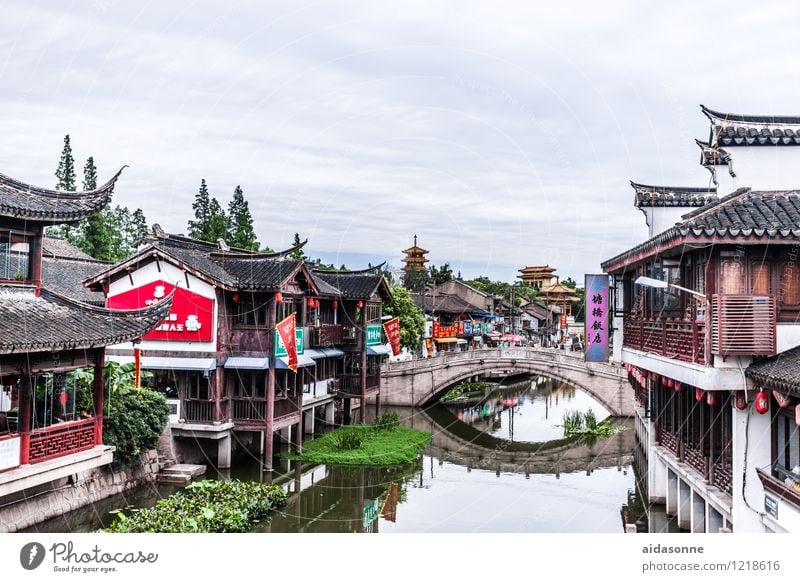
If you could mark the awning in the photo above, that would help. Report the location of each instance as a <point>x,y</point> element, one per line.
<point>160,363</point>
<point>303,360</point>
<point>483,314</point>
<point>380,350</point>
<point>315,354</point>
<point>242,363</point>
<point>320,353</point>
<point>446,340</point>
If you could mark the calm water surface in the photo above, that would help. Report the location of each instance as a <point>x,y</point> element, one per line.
<point>487,470</point>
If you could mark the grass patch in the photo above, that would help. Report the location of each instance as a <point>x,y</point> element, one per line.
<point>577,423</point>
<point>395,445</point>
<point>204,507</point>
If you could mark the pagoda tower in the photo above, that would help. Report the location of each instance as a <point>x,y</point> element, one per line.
<point>415,258</point>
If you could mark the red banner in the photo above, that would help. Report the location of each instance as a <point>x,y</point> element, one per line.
<point>440,331</point>
<point>286,329</point>
<point>137,368</point>
<point>392,329</point>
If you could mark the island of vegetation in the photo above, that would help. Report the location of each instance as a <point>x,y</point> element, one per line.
<point>382,443</point>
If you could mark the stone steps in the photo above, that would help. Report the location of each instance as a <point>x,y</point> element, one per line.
<point>179,474</point>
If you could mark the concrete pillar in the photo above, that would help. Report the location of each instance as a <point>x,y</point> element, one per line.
<point>684,505</point>
<point>698,513</point>
<point>224,452</point>
<point>672,493</point>
<point>714,520</point>
<point>754,442</point>
<point>298,435</point>
<point>657,476</point>
<point>308,421</point>
<point>286,435</point>
<point>330,414</point>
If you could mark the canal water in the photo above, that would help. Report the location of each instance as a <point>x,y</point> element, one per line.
<point>497,462</point>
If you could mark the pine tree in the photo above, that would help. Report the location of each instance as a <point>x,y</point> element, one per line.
<point>198,228</point>
<point>298,254</point>
<point>89,175</point>
<point>94,232</point>
<point>240,223</point>
<point>217,222</point>
<point>66,168</point>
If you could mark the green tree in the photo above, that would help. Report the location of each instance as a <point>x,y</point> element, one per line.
<point>66,168</point>
<point>298,254</point>
<point>217,222</point>
<point>441,274</point>
<point>416,279</point>
<point>240,223</point>
<point>412,320</point>
<point>95,238</point>
<point>569,282</point>
<point>198,228</point>
<point>89,175</point>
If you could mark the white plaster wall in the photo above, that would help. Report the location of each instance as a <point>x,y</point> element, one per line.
<point>171,274</point>
<point>729,376</point>
<point>661,218</point>
<point>751,449</point>
<point>788,336</point>
<point>761,168</point>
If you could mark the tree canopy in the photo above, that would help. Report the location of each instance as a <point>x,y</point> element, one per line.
<point>65,174</point>
<point>412,320</point>
<point>240,223</point>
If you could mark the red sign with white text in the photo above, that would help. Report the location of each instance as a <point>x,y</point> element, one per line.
<point>287,331</point>
<point>191,318</point>
<point>392,329</point>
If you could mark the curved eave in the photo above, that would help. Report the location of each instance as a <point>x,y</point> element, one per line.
<point>74,206</point>
<point>717,116</point>
<point>242,254</point>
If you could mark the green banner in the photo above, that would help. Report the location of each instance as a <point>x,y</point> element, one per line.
<point>374,334</point>
<point>280,349</point>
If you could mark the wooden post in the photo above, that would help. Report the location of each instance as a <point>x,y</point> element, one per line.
<point>218,388</point>
<point>98,393</point>
<point>363,410</point>
<point>298,391</point>
<point>270,411</point>
<point>24,418</point>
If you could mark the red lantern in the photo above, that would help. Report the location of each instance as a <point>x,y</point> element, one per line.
<point>360,304</point>
<point>762,402</point>
<point>711,398</point>
<point>797,415</point>
<point>312,302</point>
<point>782,399</point>
<point>741,400</point>
<point>677,385</point>
<point>278,298</point>
<point>236,298</point>
<point>335,304</point>
<point>698,394</point>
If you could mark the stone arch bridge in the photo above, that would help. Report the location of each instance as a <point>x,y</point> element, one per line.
<point>420,381</point>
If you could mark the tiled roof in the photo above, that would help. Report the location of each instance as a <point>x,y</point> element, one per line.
<point>781,372</point>
<point>733,129</point>
<point>256,273</point>
<point>324,287</point>
<point>52,322</point>
<point>358,285</point>
<point>27,202</point>
<point>58,247</point>
<point>712,155</point>
<point>444,303</point>
<point>647,195</point>
<point>745,214</point>
<point>66,277</point>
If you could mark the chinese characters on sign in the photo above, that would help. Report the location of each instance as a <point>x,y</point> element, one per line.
<point>392,329</point>
<point>287,333</point>
<point>596,331</point>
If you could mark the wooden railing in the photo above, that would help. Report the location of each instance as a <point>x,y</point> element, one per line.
<point>722,475</point>
<point>254,409</point>
<point>718,473</point>
<point>61,439</point>
<point>197,410</point>
<point>326,335</point>
<point>672,338</point>
<point>743,325</point>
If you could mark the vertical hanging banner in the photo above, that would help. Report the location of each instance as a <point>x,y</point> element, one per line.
<point>596,318</point>
<point>392,329</point>
<point>287,332</point>
<point>137,367</point>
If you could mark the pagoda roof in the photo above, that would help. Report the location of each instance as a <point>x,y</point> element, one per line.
<point>415,250</point>
<point>648,195</point>
<point>743,217</point>
<point>559,291</point>
<point>231,269</point>
<point>32,203</point>
<point>538,269</point>
<point>52,322</point>
<point>734,129</point>
<point>356,284</point>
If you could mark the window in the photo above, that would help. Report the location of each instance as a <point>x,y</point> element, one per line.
<point>786,446</point>
<point>249,384</point>
<point>54,400</point>
<point>759,279</point>
<point>15,249</point>
<point>790,285</point>
<point>251,313</point>
<point>373,312</point>
<point>286,308</point>
<point>730,277</point>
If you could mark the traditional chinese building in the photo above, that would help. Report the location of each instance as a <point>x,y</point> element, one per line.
<point>415,259</point>
<point>560,295</point>
<point>48,433</point>
<point>218,355</point>
<point>710,354</point>
<point>538,276</point>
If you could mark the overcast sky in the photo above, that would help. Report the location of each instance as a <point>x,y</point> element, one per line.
<point>502,134</point>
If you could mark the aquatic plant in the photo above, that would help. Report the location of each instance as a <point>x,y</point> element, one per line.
<point>387,420</point>
<point>585,423</point>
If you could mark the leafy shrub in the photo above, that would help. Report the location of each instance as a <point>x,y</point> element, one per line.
<point>349,440</point>
<point>135,421</point>
<point>387,420</point>
<point>204,506</point>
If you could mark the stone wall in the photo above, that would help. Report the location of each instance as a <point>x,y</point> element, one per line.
<point>38,504</point>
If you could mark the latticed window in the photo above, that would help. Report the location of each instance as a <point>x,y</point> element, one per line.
<point>759,279</point>
<point>730,277</point>
<point>15,250</point>
<point>286,308</point>
<point>790,284</point>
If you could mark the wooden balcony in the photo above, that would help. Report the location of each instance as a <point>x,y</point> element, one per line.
<point>61,439</point>
<point>326,335</point>
<point>672,338</point>
<point>197,410</point>
<point>254,410</point>
<point>350,335</point>
<point>743,325</point>
<point>351,383</point>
